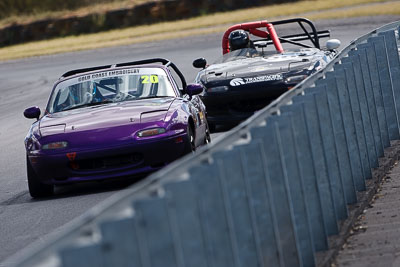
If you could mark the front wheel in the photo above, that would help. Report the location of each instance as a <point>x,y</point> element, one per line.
<point>207,139</point>
<point>36,188</point>
<point>190,145</point>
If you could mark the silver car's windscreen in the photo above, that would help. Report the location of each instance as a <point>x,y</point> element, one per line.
<point>238,54</point>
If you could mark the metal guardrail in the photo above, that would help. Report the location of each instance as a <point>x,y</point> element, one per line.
<point>268,193</point>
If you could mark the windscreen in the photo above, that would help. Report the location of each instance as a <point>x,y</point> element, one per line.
<point>238,54</point>
<point>110,86</point>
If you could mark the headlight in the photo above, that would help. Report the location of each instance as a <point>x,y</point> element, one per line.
<point>218,89</point>
<point>295,79</point>
<point>55,145</point>
<point>151,132</point>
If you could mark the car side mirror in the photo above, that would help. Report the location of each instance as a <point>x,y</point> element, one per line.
<point>32,113</point>
<point>200,63</point>
<point>194,89</point>
<point>332,44</point>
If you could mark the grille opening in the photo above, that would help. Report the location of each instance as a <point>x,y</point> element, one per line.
<point>250,105</point>
<point>107,162</point>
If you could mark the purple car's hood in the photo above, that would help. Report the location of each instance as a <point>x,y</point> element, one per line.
<point>105,123</point>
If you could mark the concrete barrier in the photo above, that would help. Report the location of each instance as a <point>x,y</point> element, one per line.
<point>269,193</point>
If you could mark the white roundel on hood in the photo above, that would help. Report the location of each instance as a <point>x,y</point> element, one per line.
<point>237,82</point>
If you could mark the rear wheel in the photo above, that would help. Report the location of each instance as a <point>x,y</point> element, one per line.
<point>36,188</point>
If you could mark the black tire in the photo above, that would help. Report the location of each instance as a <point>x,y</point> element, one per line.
<point>36,188</point>
<point>190,145</point>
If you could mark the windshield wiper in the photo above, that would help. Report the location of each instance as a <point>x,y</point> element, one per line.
<point>90,104</point>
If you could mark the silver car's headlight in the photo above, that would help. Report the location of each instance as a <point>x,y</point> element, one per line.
<point>295,79</point>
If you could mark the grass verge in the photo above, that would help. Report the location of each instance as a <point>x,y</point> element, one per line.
<point>82,11</point>
<point>199,25</point>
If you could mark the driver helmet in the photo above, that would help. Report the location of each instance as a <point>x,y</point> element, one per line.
<point>238,39</point>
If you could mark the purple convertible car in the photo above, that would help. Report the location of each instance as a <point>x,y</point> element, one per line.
<point>112,121</point>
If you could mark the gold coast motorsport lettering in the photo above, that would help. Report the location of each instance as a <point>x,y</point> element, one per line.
<point>264,78</point>
<point>107,74</point>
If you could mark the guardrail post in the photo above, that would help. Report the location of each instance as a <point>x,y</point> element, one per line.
<point>364,110</point>
<point>213,216</point>
<point>120,241</point>
<point>154,233</point>
<point>347,116</point>
<point>382,60</point>
<point>185,221</point>
<point>353,101</point>
<point>287,153</point>
<point>377,92</point>
<point>307,172</point>
<point>394,66</point>
<point>320,164</point>
<point>82,255</point>
<point>369,92</point>
<point>239,217</point>
<point>329,85</point>
<point>279,191</point>
<point>317,96</point>
<point>260,202</point>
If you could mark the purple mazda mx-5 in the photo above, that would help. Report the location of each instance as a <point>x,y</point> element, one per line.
<point>113,121</point>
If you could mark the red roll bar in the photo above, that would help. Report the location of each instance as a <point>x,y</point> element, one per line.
<point>252,27</point>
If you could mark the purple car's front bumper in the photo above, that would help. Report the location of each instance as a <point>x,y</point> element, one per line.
<point>106,163</point>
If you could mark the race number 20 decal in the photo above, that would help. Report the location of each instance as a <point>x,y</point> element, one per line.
<point>149,78</point>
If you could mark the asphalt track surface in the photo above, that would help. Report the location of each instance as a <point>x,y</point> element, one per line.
<point>27,82</point>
